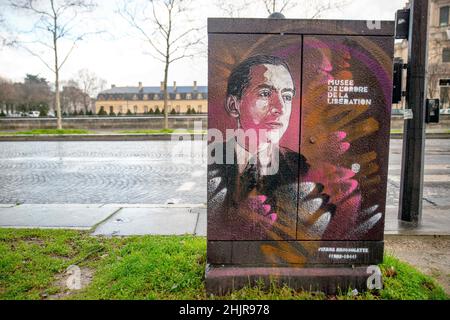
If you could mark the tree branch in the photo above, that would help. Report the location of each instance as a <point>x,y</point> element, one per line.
<point>131,19</point>
<point>184,34</point>
<point>321,8</point>
<point>161,28</point>
<point>28,5</point>
<point>37,56</point>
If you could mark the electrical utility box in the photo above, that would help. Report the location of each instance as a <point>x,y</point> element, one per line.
<point>299,123</point>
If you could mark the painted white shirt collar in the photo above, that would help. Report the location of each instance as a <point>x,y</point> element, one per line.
<point>263,159</point>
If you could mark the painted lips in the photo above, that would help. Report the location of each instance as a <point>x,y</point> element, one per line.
<point>274,125</point>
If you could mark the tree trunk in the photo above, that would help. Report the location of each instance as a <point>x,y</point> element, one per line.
<point>166,96</point>
<point>85,105</point>
<point>57,99</point>
<point>58,102</point>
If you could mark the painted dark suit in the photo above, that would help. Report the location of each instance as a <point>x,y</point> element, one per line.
<point>236,207</point>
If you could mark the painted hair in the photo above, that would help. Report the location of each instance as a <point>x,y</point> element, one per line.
<point>239,78</point>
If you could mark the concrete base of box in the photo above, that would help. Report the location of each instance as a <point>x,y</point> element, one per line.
<point>221,280</point>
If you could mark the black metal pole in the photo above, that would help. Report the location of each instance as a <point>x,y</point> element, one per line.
<point>411,185</point>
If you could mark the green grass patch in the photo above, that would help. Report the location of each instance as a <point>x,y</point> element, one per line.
<point>408,283</point>
<point>47,131</point>
<point>150,267</point>
<point>30,259</point>
<point>161,131</point>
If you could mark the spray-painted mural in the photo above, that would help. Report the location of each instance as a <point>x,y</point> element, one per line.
<point>299,129</point>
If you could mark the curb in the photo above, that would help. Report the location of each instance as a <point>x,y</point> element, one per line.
<point>106,137</point>
<point>397,236</point>
<point>434,135</point>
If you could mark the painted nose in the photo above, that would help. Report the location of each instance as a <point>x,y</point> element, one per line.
<point>276,105</point>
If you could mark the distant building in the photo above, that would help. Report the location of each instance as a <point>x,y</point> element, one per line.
<point>146,100</point>
<point>438,52</point>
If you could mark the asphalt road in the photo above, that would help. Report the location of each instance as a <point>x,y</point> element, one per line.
<point>158,172</point>
<point>436,191</point>
<point>101,172</point>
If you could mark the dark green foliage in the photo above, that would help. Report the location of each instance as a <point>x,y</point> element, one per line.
<point>102,112</point>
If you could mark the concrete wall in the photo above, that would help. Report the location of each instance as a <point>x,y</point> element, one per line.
<point>102,123</point>
<point>125,123</point>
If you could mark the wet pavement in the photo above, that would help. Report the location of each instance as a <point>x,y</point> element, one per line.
<point>154,172</point>
<point>159,172</point>
<point>436,190</point>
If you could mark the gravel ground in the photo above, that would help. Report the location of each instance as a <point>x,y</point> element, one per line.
<point>431,255</point>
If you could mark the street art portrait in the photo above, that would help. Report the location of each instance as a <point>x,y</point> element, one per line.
<point>298,142</point>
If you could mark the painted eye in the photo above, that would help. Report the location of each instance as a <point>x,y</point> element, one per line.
<point>264,93</point>
<point>287,97</point>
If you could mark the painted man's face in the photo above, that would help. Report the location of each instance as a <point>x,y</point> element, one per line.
<point>267,102</point>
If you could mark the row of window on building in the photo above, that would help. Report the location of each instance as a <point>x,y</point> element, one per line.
<point>188,96</point>
<point>146,109</point>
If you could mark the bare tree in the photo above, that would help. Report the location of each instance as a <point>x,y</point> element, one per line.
<point>6,36</point>
<point>165,26</point>
<point>56,20</point>
<point>72,97</point>
<point>90,84</point>
<point>8,94</point>
<point>316,8</point>
<point>31,94</point>
<point>2,30</point>
<point>233,9</point>
<point>278,6</point>
<point>311,9</point>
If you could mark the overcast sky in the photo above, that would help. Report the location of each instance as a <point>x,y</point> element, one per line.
<point>120,57</point>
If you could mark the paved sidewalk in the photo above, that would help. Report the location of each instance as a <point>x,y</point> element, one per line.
<point>108,219</point>
<point>435,221</point>
<point>157,219</point>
